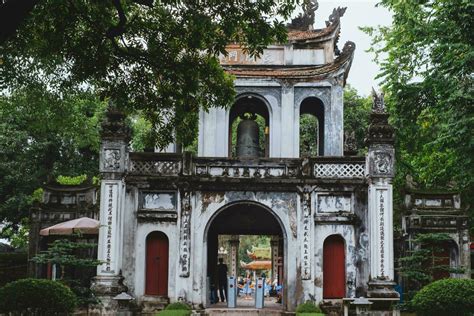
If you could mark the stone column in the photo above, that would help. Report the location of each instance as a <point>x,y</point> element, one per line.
<point>274,244</point>
<point>113,160</point>
<point>288,134</point>
<point>234,255</point>
<point>380,165</point>
<point>334,121</point>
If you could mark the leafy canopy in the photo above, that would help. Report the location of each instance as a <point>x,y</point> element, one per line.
<point>44,135</point>
<point>160,57</point>
<point>427,63</point>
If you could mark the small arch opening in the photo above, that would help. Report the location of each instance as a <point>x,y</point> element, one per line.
<point>311,127</point>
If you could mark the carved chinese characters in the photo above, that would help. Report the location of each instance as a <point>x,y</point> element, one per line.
<point>306,246</point>
<point>185,236</point>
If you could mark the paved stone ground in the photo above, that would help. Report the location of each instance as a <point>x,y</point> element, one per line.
<point>270,303</point>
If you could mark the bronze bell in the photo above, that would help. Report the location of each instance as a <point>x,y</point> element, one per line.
<point>248,143</point>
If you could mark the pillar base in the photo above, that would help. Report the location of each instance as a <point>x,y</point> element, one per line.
<point>382,288</point>
<point>104,285</point>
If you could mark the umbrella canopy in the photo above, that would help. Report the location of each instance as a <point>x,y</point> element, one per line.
<point>83,225</point>
<point>257,265</point>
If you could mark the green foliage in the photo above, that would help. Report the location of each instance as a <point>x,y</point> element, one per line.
<point>44,135</point>
<point>18,237</point>
<point>37,297</point>
<point>178,306</point>
<point>307,307</point>
<point>161,59</point>
<point>445,297</point>
<point>246,243</point>
<point>356,116</point>
<point>308,135</point>
<point>83,292</point>
<point>65,180</point>
<point>420,266</point>
<point>310,314</point>
<point>427,62</point>
<point>63,252</point>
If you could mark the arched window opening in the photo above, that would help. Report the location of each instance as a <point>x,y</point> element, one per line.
<point>157,253</point>
<point>334,268</point>
<point>249,128</point>
<point>311,127</point>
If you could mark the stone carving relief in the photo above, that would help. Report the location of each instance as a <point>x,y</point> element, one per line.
<point>333,203</point>
<point>165,201</point>
<point>382,163</point>
<point>112,159</point>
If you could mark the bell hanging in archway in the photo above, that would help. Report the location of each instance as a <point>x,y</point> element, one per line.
<point>248,143</point>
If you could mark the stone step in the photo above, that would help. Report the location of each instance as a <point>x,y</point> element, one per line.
<point>245,312</point>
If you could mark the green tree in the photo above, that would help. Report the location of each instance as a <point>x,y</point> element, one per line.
<point>356,116</point>
<point>44,135</point>
<point>161,57</point>
<point>427,65</point>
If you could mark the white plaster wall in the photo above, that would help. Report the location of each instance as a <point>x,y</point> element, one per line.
<point>283,206</point>
<point>322,231</point>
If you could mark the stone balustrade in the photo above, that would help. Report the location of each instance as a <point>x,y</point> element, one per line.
<point>171,165</point>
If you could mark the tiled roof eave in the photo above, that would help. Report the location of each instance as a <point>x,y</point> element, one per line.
<point>318,72</point>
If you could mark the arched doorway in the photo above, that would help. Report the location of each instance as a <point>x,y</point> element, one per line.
<point>334,268</point>
<point>157,250</point>
<point>247,219</point>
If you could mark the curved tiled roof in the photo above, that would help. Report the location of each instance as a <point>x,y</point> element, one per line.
<point>343,61</point>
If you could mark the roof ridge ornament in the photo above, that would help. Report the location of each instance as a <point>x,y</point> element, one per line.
<point>378,105</point>
<point>336,15</point>
<point>304,21</point>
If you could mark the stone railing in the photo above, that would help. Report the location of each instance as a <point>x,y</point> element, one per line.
<point>155,164</point>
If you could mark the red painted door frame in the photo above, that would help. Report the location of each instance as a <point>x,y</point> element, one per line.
<point>334,267</point>
<point>157,251</point>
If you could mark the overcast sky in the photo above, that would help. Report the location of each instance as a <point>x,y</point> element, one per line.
<point>358,13</point>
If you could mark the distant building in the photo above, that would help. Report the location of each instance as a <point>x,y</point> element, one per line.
<point>439,211</point>
<point>60,203</point>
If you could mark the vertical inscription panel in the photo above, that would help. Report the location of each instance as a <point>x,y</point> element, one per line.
<point>108,227</point>
<point>185,236</point>
<point>306,231</point>
<point>381,232</point>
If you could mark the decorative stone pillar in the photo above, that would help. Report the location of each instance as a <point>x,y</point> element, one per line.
<point>113,161</point>
<point>275,244</point>
<point>380,164</point>
<point>234,255</point>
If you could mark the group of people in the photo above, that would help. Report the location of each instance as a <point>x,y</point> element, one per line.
<point>245,285</point>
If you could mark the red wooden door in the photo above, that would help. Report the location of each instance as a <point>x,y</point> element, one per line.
<point>156,264</point>
<point>334,268</point>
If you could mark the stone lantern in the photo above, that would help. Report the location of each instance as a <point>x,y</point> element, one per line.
<point>362,306</point>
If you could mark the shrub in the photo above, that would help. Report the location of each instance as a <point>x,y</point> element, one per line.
<point>308,307</point>
<point>178,306</point>
<point>445,297</point>
<point>37,297</point>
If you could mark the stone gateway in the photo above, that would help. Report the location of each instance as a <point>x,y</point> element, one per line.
<point>329,214</point>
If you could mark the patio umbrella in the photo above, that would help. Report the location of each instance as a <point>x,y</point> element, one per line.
<point>83,225</point>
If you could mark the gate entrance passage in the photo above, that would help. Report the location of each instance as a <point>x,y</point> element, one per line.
<point>245,241</point>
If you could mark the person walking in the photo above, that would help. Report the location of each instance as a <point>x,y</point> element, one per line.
<point>222,274</point>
